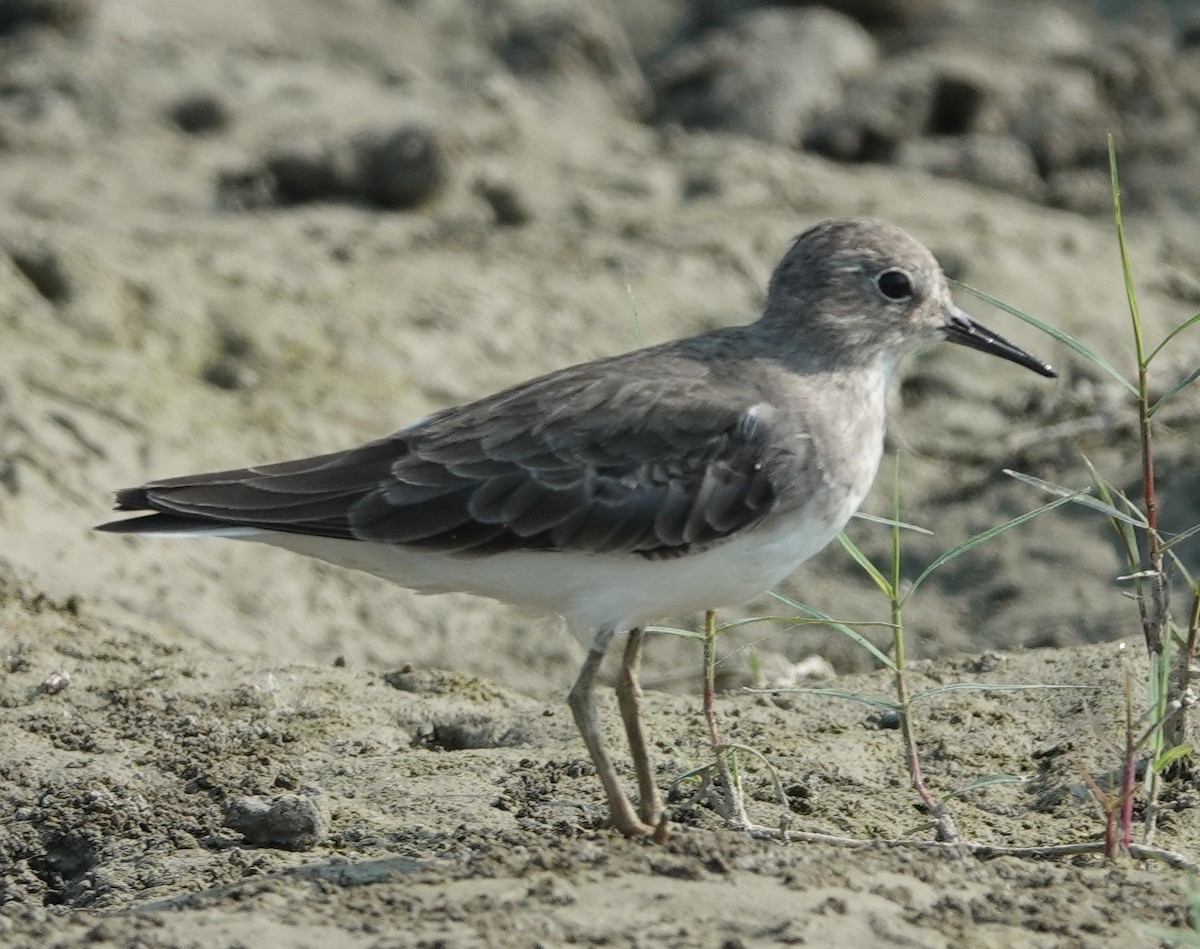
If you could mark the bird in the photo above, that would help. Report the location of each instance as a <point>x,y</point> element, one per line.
<point>665,481</point>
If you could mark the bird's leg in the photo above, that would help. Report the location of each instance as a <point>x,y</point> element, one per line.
<point>629,699</point>
<point>583,707</point>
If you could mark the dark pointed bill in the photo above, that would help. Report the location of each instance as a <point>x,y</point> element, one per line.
<point>966,332</point>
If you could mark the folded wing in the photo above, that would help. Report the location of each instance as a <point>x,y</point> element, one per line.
<point>562,463</point>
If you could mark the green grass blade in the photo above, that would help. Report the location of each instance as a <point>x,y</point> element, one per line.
<point>888,522</point>
<point>1171,755</point>
<point>875,701</point>
<point>675,631</point>
<point>842,628</point>
<point>1183,570</point>
<point>751,620</point>
<point>1135,315</point>
<point>638,333</point>
<point>893,590</point>
<point>1181,384</point>
<point>1124,531</point>
<point>972,542</point>
<point>1175,332</point>
<point>737,623</point>
<point>1181,536</point>
<point>863,561</point>
<point>1067,340</point>
<point>1081,497</point>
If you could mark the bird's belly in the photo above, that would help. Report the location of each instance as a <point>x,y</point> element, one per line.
<point>628,592</point>
<point>592,591</point>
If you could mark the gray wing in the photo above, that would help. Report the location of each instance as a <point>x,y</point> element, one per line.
<point>567,462</point>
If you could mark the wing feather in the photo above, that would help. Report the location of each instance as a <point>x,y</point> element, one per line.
<point>653,465</point>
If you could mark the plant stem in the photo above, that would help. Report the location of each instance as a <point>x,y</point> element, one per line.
<point>946,831</point>
<point>733,807</point>
<point>1153,615</point>
<point>710,676</point>
<point>1129,773</point>
<point>1177,729</point>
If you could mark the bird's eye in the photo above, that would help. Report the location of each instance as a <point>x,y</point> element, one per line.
<point>894,284</point>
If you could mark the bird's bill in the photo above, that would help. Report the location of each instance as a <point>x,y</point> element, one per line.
<point>965,331</point>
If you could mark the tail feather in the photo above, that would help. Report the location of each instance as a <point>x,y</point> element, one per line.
<point>173,525</point>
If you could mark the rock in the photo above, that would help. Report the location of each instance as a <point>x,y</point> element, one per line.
<point>394,169</point>
<point>885,13</point>
<point>200,113</point>
<point>1029,31</point>
<point>301,173</point>
<point>62,15</point>
<point>770,73</point>
<point>1065,122</point>
<point>573,43</point>
<point>992,161</point>
<point>510,207</point>
<point>649,24</point>
<point>398,169</point>
<point>893,105</point>
<point>287,821</point>
<point>42,265</point>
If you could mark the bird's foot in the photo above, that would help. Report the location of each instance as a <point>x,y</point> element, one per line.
<point>651,809</point>
<point>653,824</point>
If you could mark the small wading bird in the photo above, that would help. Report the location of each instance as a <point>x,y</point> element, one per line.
<point>665,481</point>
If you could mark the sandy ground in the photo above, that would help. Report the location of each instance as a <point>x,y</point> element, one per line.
<point>168,305</point>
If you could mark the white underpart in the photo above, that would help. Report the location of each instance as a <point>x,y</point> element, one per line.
<point>594,592</point>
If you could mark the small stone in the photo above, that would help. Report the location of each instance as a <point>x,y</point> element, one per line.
<point>199,114</point>
<point>508,204</point>
<point>401,168</point>
<point>56,682</point>
<point>42,266</point>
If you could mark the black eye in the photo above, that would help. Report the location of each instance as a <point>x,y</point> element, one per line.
<point>894,284</point>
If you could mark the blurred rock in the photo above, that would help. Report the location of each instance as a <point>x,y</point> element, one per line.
<point>398,169</point>
<point>42,265</point>
<point>1065,122</point>
<point>988,160</point>
<point>510,207</point>
<point>245,189</point>
<point>1048,80</point>
<point>199,114</point>
<point>885,13</point>
<point>1027,30</point>
<point>873,14</point>
<point>1189,31</point>
<point>903,100</point>
<point>393,169</point>
<point>60,14</point>
<point>561,42</point>
<point>770,73</point>
<point>1138,73</point>
<point>1084,190</point>
<point>299,173</point>
<point>287,821</point>
<point>650,24</point>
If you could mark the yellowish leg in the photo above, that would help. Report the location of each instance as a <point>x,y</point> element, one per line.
<point>629,699</point>
<point>583,707</point>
